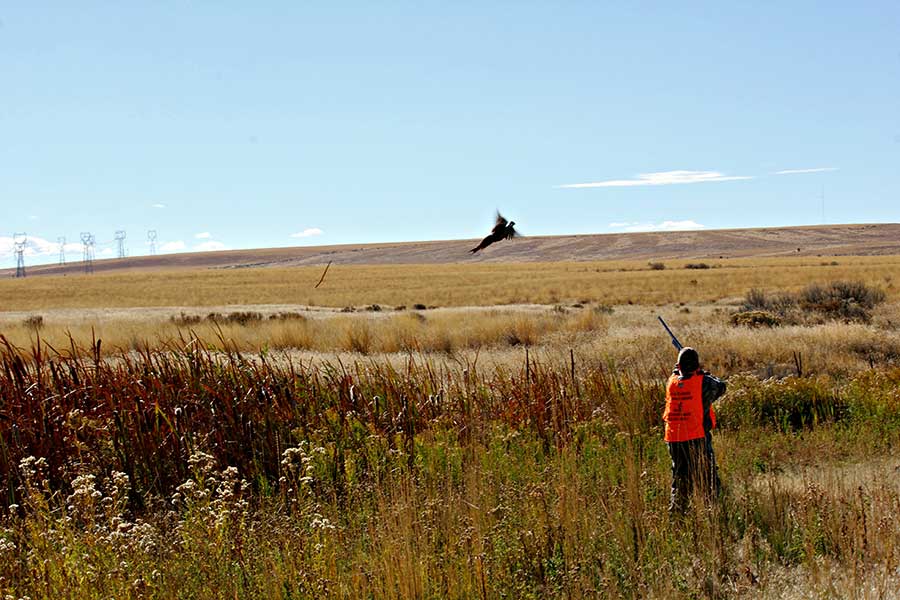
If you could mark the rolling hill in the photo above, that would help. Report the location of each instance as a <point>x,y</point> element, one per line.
<point>824,240</point>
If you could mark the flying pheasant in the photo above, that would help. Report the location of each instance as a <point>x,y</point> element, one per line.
<point>503,230</point>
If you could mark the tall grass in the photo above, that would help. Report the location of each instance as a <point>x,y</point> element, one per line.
<point>189,471</point>
<point>145,414</point>
<point>628,335</point>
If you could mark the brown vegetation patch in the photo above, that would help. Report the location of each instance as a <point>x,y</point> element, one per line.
<point>755,318</point>
<point>840,300</point>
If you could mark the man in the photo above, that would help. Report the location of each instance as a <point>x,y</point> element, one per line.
<point>689,419</point>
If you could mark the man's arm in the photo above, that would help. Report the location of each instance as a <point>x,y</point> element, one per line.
<point>713,389</point>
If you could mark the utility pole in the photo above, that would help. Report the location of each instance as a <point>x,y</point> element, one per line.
<point>19,241</point>
<point>61,241</point>
<point>87,242</point>
<point>120,242</point>
<point>151,239</point>
<point>823,203</point>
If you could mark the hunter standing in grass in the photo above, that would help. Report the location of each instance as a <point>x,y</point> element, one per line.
<point>689,419</point>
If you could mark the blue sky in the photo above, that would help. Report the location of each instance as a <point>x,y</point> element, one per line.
<point>238,125</point>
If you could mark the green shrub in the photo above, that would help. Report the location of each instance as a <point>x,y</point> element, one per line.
<point>780,303</point>
<point>842,300</point>
<point>788,404</point>
<point>847,300</point>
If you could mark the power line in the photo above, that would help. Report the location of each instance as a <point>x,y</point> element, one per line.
<point>87,242</point>
<point>823,204</point>
<point>151,239</point>
<point>120,242</point>
<point>19,241</point>
<point>61,241</point>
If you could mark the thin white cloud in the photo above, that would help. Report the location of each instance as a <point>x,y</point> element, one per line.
<point>172,246</point>
<point>106,252</point>
<point>158,205</point>
<point>636,226</point>
<point>210,246</point>
<point>801,171</point>
<point>661,178</point>
<point>203,236</point>
<point>308,232</point>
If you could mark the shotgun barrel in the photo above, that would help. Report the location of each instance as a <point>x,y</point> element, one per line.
<point>675,341</point>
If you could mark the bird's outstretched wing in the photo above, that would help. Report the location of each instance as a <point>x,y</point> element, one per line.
<point>512,232</point>
<point>499,224</point>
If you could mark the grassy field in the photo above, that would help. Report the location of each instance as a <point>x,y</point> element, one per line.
<point>443,285</point>
<point>698,302</point>
<point>500,452</point>
<point>197,474</point>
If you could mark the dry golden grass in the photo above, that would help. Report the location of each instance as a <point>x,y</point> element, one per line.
<point>444,285</point>
<point>492,509</point>
<point>630,336</point>
<point>445,330</point>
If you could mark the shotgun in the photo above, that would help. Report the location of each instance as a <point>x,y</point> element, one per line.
<point>675,341</point>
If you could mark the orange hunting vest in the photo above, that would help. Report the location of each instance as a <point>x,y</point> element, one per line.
<point>684,409</point>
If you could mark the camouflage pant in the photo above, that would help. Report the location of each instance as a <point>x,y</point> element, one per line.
<point>693,468</point>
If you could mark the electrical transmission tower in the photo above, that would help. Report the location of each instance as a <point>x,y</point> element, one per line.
<point>822,197</point>
<point>151,239</point>
<point>87,241</point>
<point>19,240</point>
<point>61,241</point>
<point>120,242</point>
